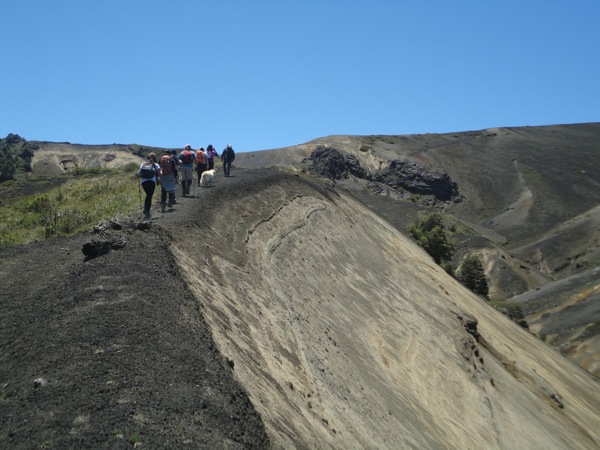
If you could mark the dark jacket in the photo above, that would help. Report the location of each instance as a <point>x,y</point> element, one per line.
<point>228,155</point>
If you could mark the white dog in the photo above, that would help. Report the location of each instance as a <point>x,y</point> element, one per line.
<point>207,178</point>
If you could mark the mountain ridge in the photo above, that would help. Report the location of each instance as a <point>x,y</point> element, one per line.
<point>318,316</point>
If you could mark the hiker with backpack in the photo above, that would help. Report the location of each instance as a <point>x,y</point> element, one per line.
<point>210,157</point>
<point>187,158</point>
<point>168,175</point>
<point>148,175</point>
<point>227,156</point>
<point>200,163</point>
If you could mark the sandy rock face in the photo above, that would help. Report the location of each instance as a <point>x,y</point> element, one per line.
<point>55,158</point>
<point>346,335</point>
<point>528,206</point>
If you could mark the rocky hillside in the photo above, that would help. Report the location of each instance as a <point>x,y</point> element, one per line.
<point>271,311</point>
<point>54,158</point>
<point>524,199</point>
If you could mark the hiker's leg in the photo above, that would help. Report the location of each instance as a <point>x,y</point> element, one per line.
<point>186,176</point>
<point>149,190</point>
<point>163,198</point>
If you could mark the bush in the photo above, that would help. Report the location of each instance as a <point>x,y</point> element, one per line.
<point>472,275</point>
<point>514,311</point>
<point>7,165</point>
<point>430,233</point>
<point>15,153</point>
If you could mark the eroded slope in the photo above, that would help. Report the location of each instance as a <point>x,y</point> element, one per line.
<point>346,335</point>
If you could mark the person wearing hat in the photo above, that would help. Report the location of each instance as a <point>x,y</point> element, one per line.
<point>188,160</point>
<point>227,156</point>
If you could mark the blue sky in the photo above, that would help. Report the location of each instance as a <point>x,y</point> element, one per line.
<point>269,74</point>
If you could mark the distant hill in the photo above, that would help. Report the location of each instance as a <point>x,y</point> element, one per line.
<point>54,158</point>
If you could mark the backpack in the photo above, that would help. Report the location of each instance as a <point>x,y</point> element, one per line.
<point>187,157</point>
<point>166,165</point>
<point>199,156</point>
<point>148,171</point>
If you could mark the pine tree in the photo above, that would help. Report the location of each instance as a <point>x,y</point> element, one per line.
<point>472,275</point>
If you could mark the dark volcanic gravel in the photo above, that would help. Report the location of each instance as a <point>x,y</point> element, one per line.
<point>113,351</point>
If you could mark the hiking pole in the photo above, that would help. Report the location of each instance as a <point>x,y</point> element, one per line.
<point>139,190</point>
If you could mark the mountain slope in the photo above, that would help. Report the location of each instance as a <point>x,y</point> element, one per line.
<point>331,328</point>
<point>527,200</point>
<point>516,184</point>
<point>346,334</point>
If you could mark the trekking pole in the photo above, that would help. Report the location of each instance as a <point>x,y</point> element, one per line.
<point>139,190</point>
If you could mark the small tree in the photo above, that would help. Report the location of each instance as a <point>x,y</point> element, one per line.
<point>430,233</point>
<point>7,165</point>
<point>10,157</point>
<point>472,275</point>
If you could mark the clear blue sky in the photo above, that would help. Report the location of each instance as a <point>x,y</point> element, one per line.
<point>268,74</point>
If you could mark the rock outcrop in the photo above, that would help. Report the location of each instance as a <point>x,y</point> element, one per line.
<point>418,178</point>
<point>413,177</point>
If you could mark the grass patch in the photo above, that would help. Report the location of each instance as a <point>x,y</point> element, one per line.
<point>71,208</point>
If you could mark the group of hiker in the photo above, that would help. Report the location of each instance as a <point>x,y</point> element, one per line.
<point>172,168</point>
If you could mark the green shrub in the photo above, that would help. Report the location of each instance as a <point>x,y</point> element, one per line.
<point>514,311</point>
<point>15,155</point>
<point>7,165</point>
<point>430,233</point>
<point>472,275</point>
<point>509,308</point>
